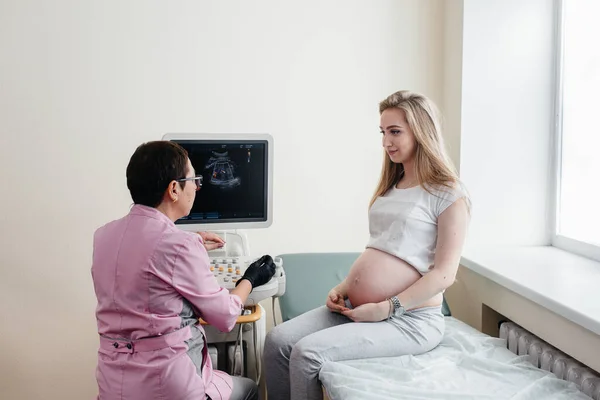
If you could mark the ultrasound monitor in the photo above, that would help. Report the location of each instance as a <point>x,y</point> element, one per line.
<point>237,186</point>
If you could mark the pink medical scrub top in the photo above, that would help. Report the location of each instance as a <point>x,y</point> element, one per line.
<point>153,281</point>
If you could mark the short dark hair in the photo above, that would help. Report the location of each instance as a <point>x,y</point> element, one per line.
<point>152,167</point>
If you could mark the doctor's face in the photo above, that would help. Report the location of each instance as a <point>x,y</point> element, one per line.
<point>190,188</point>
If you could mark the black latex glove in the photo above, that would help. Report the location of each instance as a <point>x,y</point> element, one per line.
<point>259,272</point>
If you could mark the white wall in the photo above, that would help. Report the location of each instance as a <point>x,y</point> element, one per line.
<point>83,83</point>
<point>452,76</point>
<point>506,119</point>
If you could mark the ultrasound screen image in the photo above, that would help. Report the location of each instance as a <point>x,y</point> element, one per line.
<point>234,185</point>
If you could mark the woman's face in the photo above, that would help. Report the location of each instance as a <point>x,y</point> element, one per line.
<point>398,139</point>
<point>188,193</point>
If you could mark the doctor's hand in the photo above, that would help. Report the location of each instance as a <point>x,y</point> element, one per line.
<point>370,312</point>
<point>335,301</point>
<point>211,240</point>
<point>259,272</point>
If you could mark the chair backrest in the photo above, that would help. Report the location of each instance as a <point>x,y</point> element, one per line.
<point>310,276</point>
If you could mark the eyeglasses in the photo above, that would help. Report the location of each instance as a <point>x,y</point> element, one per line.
<point>196,179</point>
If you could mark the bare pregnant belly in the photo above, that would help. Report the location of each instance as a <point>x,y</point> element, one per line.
<point>376,276</point>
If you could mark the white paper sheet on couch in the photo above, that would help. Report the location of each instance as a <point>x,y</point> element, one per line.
<point>466,365</point>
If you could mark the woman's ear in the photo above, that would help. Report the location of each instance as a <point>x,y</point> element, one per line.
<point>173,193</point>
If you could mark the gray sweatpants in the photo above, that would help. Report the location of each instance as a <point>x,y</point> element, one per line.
<point>296,350</point>
<point>243,389</point>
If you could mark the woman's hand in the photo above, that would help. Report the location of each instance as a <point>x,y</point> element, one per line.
<point>335,300</point>
<point>211,240</point>
<point>370,312</point>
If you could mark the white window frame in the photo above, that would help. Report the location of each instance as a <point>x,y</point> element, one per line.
<point>560,241</point>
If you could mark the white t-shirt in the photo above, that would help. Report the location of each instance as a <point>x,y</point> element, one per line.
<point>403,222</point>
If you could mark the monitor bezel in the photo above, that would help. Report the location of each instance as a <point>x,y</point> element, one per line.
<point>216,225</point>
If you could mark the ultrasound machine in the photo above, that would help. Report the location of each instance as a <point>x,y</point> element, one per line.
<point>236,195</point>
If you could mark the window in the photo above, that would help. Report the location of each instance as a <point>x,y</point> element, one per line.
<point>577,224</point>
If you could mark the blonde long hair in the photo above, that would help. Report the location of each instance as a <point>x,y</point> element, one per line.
<point>433,167</point>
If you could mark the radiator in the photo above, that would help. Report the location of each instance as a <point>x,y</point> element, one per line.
<point>547,357</point>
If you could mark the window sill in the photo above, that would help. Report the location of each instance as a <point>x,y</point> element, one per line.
<point>564,283</point>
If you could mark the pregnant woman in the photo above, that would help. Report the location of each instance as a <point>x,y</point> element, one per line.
<point>390,303</point>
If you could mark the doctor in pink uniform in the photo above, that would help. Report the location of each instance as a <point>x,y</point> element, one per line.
<point>152,281</point>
